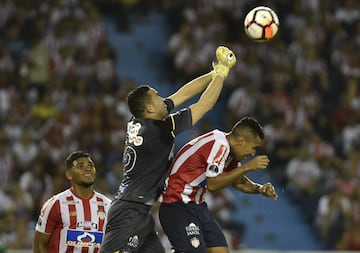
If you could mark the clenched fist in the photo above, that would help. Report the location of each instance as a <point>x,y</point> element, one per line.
<point>268,190</point>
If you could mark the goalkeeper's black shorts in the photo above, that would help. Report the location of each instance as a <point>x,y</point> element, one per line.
<point>130,228</point>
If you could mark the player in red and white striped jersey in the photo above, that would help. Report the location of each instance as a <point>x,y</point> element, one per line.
<point>73,220</point>
<point>209,162</point>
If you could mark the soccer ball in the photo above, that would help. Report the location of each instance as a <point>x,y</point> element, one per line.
<point>261,24</point>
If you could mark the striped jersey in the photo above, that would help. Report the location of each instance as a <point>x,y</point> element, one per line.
<point>205,156</point>
<point>76,225</point>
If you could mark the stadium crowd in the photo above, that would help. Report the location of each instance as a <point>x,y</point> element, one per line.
<point>59,92</point>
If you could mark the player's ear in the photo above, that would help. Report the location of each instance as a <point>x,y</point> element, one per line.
<point>240,140</point>
<point>68,175</point>
<point>149,108</point>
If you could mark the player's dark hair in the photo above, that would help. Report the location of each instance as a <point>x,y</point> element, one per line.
<point>251,124</point>
<point>74,156</point>
<point>137,99</point>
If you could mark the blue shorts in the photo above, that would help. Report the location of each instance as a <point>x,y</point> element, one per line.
<point>190,227</point>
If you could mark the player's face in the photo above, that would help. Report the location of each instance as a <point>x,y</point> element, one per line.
<point>158,104</point>
<point>246,147</point>
<point>83,172</point>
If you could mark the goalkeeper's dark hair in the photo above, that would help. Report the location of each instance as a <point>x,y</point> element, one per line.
<point>251,125</point>
<point>74,156</point>
<point>137,100</point>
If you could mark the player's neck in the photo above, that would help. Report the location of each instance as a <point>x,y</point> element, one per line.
<point>82,192</point>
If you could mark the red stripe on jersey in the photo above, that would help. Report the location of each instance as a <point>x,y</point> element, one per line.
<point>220,155</point>
<point>72,212</point>
<point>84,250</point>
<point>54,215</point>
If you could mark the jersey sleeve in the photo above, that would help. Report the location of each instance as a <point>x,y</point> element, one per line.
<point>216,159</point>
<point>49,215</point>
<point>179,121</point>
<point>169,104</point>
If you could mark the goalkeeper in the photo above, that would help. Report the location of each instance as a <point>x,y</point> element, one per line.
<point>149,148</point>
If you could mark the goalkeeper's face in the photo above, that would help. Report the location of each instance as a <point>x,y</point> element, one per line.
<point>158,106</point>
<point>83,172</point>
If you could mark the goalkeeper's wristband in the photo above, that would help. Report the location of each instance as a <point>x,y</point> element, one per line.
<point>222,70</point>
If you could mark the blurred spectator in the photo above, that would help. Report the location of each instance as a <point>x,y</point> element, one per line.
<point>303,181</point>
<point>7,162</point>
<point>7,95</point>
<point>332,214</point>
<point>242,101</point>
<point>25,150</point>
<point>35,66</point>
<point>38,183</point>
<point>114,176</point>
<point>284,150</point>
<point>350,239</point>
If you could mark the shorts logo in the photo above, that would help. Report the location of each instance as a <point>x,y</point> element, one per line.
<point>192,229</point>
<point>133,241</point>
<point>195,242</point>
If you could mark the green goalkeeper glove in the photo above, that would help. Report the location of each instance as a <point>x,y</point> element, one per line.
<point>226,59</point>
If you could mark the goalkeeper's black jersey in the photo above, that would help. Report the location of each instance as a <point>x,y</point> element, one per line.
<point>148,153</point>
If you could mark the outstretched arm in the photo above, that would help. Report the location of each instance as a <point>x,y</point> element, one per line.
<point>191,89</point>
<point>226,60</point>
<point>208,99</point>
